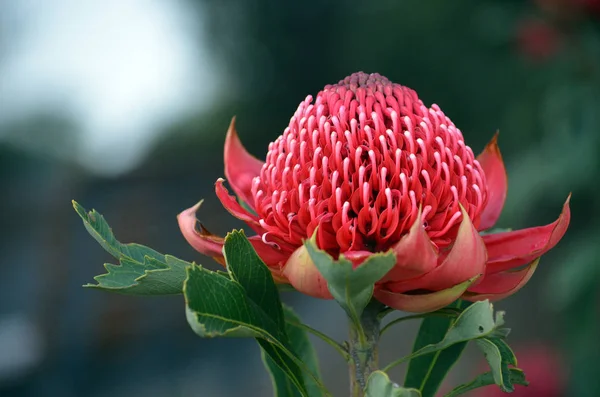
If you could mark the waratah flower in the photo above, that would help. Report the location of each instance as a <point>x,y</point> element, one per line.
<point>369,168</point>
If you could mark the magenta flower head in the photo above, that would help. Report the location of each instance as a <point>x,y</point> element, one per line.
<point>366,167</point>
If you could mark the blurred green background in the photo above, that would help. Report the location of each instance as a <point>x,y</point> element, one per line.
<point>123,105</point>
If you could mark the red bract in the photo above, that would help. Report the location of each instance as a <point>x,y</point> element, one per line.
<point>369,168</point>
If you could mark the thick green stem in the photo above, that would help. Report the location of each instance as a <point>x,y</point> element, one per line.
<point>363,348</point>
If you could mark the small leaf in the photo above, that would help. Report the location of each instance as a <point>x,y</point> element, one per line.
<point>499,356</point>
<point>246,267</point>
<point>287,363</point>
<point>500,333</point>
<point>477,321</point>
<point>516,375</point>
<point>380,385</point>
<point>427,372</point>
<point>351,288</point>
<point>217,306</point>
<point>505,351</point>
<point>302,347</point>
<point>142,270</point>
<point>245,303</point>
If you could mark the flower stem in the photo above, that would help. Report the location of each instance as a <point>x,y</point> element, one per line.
<point>363,348</point>
<point>442,313</point>
<point>339,348</point>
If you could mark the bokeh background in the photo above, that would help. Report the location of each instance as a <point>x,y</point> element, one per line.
<point>123,105</point>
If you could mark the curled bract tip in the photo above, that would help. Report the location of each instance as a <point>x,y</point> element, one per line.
<point>201,240</point>
<point>240,166</point>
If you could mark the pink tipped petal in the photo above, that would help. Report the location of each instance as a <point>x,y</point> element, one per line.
<point>465,260</point>
<point>304,276</point>
<point>415,254</point>
<point>501,285</point>
<point>240,166</point>
<point>422,303</point>
<point>202,241</point>
<point>497,183</point>
<point>513,249</point>
<point>235,208</point>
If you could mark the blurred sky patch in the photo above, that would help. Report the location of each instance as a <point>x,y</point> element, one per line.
<point>119,70</point>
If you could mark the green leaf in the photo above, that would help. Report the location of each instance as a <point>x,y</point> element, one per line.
<point>217,306</point>
<point>427,372</point>
<point>380,385</point>
<point>499,356</point>
<point>142,270</point>
<point>505,351</point>
<point>302,347</point>
<point>351,288</point>
<point>516,375</point>
<point>245,303</point>
<point>246,267</point>
<point>287,363</point>
<point>477,321</point>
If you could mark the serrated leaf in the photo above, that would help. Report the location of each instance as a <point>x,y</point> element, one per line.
<point>217,307</point>
<point>499,356</point>
<point>351,288</point>
<point>516,375</point>
<point>427,372</point>
<point>245,303</point>
<point>246,267</point>
<point>287,362</point>
<point>500,333</point>
<point>142,270</point>
<point>380,385</point>
<point>302,347</point>
<point>477,321</point>
<point>505,351</point>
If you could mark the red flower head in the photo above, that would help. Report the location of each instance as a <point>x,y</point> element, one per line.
<point>369,168</point>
